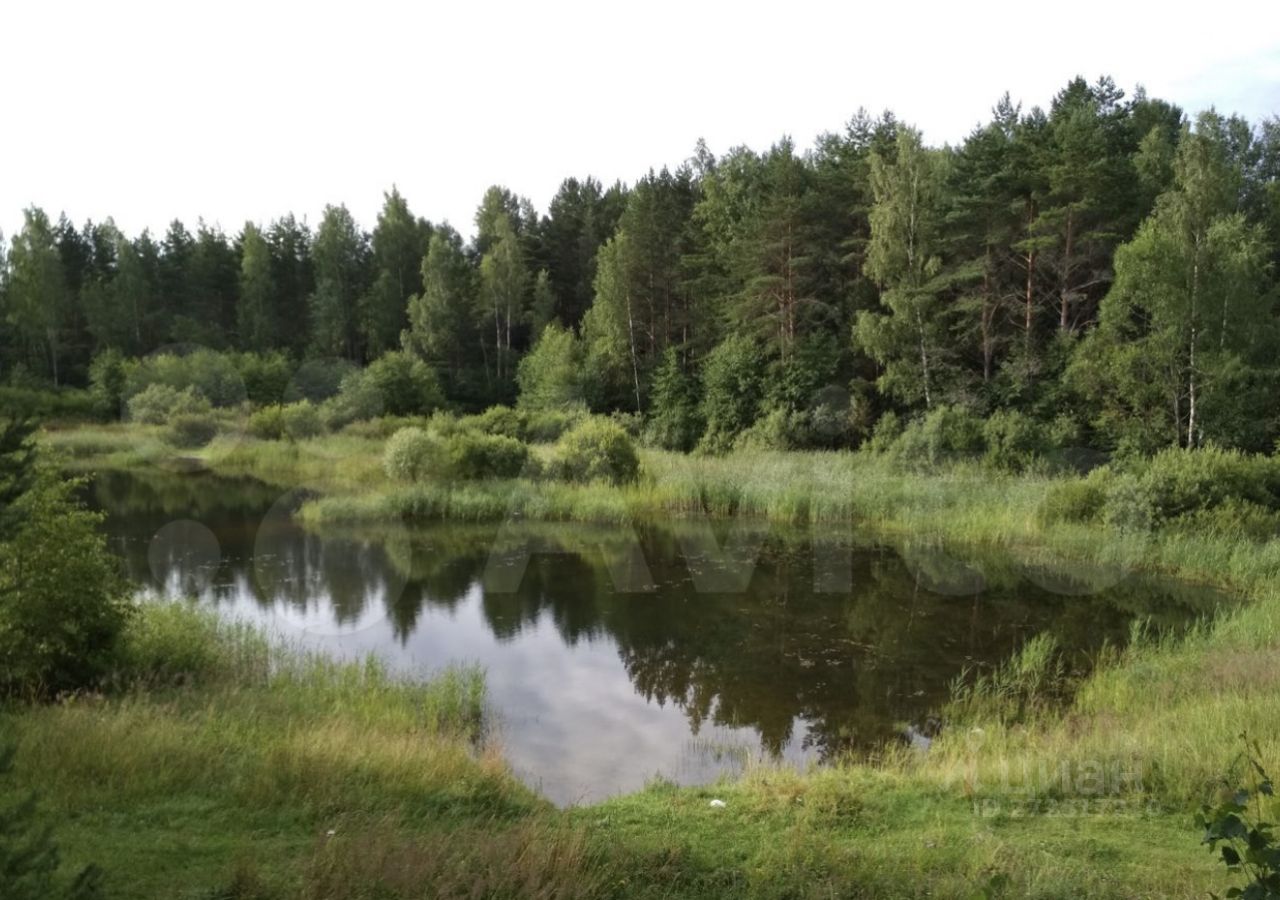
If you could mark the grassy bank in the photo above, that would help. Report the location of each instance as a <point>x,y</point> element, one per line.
<point>1027,799</point>
<point>229,767</point>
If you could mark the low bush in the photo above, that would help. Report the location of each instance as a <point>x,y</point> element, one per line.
<point>406,385</point>
<point>947,432</point>
<point>192,430</point>
<point>49,403</point>
<point>411,455</point>
<point>1014,441</point>
<point>501,420</point>
<point>65,603</point>
<point>470,454</point>
<point>301,420</point>
<point>596,450</point>
<point>267,424</point>
<point>546,425</point>
<point>159,403</point>
<point>213,375</point>
<point>1077,499</point>
<point>357,400</point>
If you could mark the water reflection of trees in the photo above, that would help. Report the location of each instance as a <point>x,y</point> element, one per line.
<point>854,664</point>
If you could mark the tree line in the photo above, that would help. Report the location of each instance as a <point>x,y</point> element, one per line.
<point>1104,268</point>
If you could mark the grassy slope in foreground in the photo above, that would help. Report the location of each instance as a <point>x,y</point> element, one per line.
<point>1167,713</point>
<point>226,774</point>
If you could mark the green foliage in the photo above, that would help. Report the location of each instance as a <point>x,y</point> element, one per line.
<point>62,600</point>
<point>472,455</point>
<point>946,433</point>
<point>732,391</point>
<point>212,375</point>
<point>28,855</point>
<point>17,470</point>
<point>1077,499</point>
<point>501,420</point>
<point>358,399</point>
<point>191,431</point>
<point>158,404</point>
<point>1239,829</point>
<point>46,404</point>
<point>107,383</point>
<point>673,422</point>
<point>301,420</point>
<point>549,375</point>
<point>596,450</point>
<point>266,376</point>
<point>545,425</point>
<point>267,423</point>
<point>295,421</point>
<point>1014,440</point>
<point>411,455</point>
<point>407,385</point>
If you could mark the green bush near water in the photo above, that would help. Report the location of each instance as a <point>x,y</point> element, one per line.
<point>157,404</point>
<point>597,450</point>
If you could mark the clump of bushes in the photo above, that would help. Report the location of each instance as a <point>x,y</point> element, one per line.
<point>396,384</point>
<point>1207,489</point>
<point>501,420</point>
<point>65,603</point>
<point>294,421</point>
<point>160,403</point>
<point>212,375</point>
<point>473,455</point>
<point>411,455</point>
<point>546,425</point>
<point>415,454</point>
<point>192,430</point>
<point>596,450</point>
<point>1014,441</point>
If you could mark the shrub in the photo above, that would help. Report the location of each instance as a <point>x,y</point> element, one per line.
<point>1186,481</point>
<point>501,420</point>
<point>1077,499</point>
<point>407,385</point>
<point>301,420</point>
<point>48,403</point>
<point>549,374</point>
<point>772,431</point>
<point>267,424</point>
<point>470,454</point>
<point>213,375</point>
<point>547,425</point>
<point>945,432</point>
<point>674,423</point>
<point>266,376</point>
<point>107,383</point>
<point>159,403</point>
<point>357,400</point>
<point>192,430</point>
<point>318,380</point>
<point>65,603</point>
<point>411,454</point>
<point>888,429</point>
<point>1130,505</point>
<point>731,391</point>
<point>1014,440</point>
<point>596,450</point>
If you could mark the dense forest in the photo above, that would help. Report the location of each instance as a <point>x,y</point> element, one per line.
<point>1100,273</point>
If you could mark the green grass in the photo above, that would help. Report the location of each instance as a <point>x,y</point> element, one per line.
<point>221,763</point>
<point>1087,793</point>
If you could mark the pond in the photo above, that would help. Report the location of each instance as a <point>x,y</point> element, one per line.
<point>614,655</point>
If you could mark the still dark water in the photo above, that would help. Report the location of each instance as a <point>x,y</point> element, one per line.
<point>614,655</point>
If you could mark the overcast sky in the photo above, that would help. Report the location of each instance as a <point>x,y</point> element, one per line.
<point>235,111</point>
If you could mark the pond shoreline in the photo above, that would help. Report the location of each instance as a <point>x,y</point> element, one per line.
<point>989,799</point>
